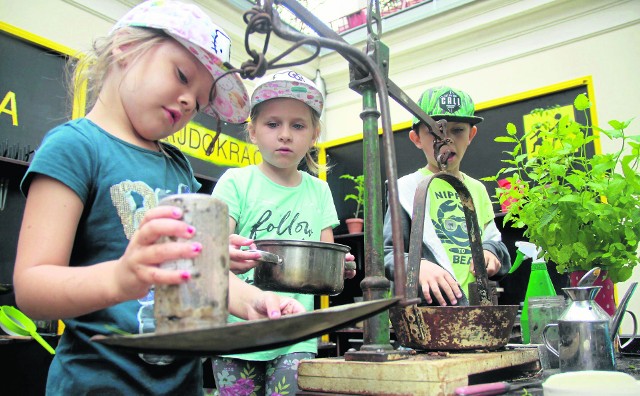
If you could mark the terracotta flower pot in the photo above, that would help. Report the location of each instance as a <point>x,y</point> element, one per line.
<point>354,225</point>
<point>604,298</point>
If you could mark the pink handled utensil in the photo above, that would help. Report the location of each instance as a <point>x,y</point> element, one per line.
<point>494,388</point>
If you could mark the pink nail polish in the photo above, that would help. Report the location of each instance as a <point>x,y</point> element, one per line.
<point>186,275</point>
<point>177,213</point>
<point>197,246</point>
<point>191,229</point>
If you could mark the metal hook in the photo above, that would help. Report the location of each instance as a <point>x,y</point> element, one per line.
<point>373,17</point>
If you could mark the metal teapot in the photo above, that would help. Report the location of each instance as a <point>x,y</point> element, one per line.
<point>586,331</point>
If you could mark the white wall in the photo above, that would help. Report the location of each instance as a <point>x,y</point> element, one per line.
<point>489,48</point>
<point>498,48</point>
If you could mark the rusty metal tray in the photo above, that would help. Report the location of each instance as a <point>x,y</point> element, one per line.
<point>250,335</point>
<point>453,328</point>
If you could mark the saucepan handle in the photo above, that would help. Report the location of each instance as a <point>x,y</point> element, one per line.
<point>268,257</point>
<point>546,341</point>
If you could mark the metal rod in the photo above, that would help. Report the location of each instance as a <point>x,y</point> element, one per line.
<point>374,285</point>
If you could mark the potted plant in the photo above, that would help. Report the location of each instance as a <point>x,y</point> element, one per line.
<point>356,223</point>
<point>581,209</point>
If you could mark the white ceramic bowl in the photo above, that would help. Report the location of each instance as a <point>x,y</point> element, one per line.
<point>591,383</point>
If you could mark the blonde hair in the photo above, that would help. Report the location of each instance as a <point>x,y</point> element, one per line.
<point>92,67</point>
<point>312,164</point>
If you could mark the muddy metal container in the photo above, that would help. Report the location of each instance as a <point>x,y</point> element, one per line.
<point>483,325</point>
<point>202,301</point>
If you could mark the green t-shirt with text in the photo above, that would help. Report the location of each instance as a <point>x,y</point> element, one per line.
<point>448,220</point>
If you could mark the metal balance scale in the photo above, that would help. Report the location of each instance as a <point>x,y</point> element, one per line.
<point>458,341</point>
<point>377,368</point>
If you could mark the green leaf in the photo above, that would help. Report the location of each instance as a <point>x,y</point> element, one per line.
<point>612,134</point>
<point>619,125</point>
<point>581,102</point>
<point>580,249</point>
<point>622,274</point>
<point>570,198</point>
<point>350,196</point>
<point>520,158</point>
<point>505,139</point>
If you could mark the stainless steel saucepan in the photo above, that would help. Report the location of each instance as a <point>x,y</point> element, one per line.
<point>305,267</point>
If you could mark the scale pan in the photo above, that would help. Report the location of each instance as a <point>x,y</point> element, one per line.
<point>251,335</point>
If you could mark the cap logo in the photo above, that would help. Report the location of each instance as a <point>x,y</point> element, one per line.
<point>220,41</point>
<point>295,76</point>
<point>450,102</point>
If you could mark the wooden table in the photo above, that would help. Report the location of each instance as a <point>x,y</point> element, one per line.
<point>422,374</point>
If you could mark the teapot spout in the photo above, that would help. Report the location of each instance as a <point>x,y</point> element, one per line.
<point>616,320</point>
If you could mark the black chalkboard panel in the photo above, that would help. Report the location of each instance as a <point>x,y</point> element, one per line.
<point>32,101</point>
<point>482,159</point>
<point>33,93</point>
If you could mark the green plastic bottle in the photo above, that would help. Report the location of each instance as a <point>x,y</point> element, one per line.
<point>539,285</point>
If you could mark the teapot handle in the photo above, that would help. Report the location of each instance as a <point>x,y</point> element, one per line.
<point>546,341</point>
<point>635,332</point>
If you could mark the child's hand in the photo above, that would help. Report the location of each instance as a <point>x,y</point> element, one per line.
<point>492,263</point>
<point>435,279</point>
<point>139,267</point>
<point>349,266</point>
<point>272,306</point>
<point>241,261</point>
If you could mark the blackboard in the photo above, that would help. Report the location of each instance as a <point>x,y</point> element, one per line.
<point>33,100</point>
<point>32,90</point>
<point>482,159</point>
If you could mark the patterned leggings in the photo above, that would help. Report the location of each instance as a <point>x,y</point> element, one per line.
<point>275,377</point>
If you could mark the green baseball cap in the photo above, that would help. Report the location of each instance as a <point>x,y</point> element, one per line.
<point>449,104</point>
